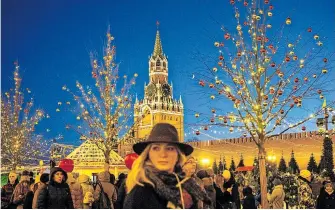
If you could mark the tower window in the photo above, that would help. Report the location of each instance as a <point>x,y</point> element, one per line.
<point>164,117</point>
<point>176,118</point>
<point>158,63</point>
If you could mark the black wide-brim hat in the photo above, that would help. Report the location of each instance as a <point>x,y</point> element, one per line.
<point>163,133</point>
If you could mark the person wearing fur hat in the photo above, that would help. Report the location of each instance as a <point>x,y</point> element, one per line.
<point>276,199</point>
<point>57,194</point>
<point>21,190</point>
<point>44,180</point>
<point>326,199</point>
<point>76,191</point>
<point>88,191</point>
<point>305,194</point>
<point>107,187</point>
<point>156,179</point>
<point>7,191</point>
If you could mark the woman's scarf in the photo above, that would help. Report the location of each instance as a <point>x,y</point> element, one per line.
<point>166,186</point>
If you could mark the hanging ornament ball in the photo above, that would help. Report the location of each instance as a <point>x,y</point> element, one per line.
<point>321,96</point>
<point>216,44</point>
<point>324,71</point>
<point>213,110</point>
<point>231,129</point>
<point>296,80</point>
<point>288,21</point>
<point>280,92</point>
<point>202,83</point>
<point>215,69</point>
<point>232,2</point>
<point>273,64</point>
<point>129,160</point>
<point>239,27</point>
<point>319,91</point>
<point>227,36</point>
<point>212,97</point>
<point>245,3</point>
<point>221,57</point>
<point>316,37</point>
<point>271,7</point>
<point>282,111</point>
<point>211,85</point>
<point>197,133</point>
<point>212,120</point>
<point>309,29</point>
<point>67,165</point>
<point>295,57</point>
<point>205,128</point>
<point>270,14</point>
<point>266,1</point>
<point>303,128</point>
<point>287,59</point>
<point>325,60</point>
<point>314,76</point>
<point>244,135</point>
<point>196,115</point>
<point>319,43</point>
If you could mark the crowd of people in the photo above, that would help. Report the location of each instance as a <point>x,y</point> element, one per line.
<point>165,175</point>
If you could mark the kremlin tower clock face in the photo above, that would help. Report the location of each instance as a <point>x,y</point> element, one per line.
<point>151,90</point>
<point>166,90</point>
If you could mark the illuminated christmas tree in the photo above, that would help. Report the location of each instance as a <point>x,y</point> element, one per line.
<point>241,163</point>
<point>232,165</point>
<point>215,167</point>
<point>312,167</point>
<point>282,165</point>
<point>267,73</point>
<point>293,165</point>
<point>328,158</point>
<point>19,143</point>
<point>104,109</point>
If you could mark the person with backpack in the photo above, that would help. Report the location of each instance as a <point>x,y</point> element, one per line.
<point>105,194</point>
<point>21,190</point>
<point>57,194</point>
<point>7,191</point>
<point>88,191</point>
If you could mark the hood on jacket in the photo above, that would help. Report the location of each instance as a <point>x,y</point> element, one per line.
<point>55,170</point>
<point>104,176</point>
<point>303,179</point>
<point>83,178</point>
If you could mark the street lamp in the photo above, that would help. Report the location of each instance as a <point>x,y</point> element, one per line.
<point>322,123</point>
<point>205,162</point>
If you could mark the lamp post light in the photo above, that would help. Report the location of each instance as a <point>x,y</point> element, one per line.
<point>322,123</point>
<point>205,162</point>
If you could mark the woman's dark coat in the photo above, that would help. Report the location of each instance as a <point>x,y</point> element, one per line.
<point>55,195</point>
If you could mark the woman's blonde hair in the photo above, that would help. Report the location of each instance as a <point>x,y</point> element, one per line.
<point>137,175</point>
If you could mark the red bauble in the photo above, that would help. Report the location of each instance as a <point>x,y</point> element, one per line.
<point>129,160</point>
<point>67,165</point>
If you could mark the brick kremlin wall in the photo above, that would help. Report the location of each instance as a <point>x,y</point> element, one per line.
<point>303,145</point>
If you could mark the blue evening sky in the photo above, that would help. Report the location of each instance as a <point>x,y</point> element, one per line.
<point>52,41</point>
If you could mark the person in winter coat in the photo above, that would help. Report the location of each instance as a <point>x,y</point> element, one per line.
<point>209,188</point>
<point>121,178</point>
<point>44,180</point>
<point>107,187</point>
<point>276,199</point>
<point>31,177</point>
<point>305,194</point>
<point>156,179</point>
<point>230,181</point>
<point>76,191</point>
<point>218,186</point>
<point>7,191</point>
<point>88,191</point>
<point>249,199</point>
<point>326,199</point>
<point>21,190</point>
<point>112,179</point>
<point>57,194</point>
<point>121,195</point>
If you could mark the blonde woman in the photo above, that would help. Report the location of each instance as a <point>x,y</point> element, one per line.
<point>156,179</point>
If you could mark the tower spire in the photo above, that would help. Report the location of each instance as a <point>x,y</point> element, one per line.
<point>158,49</point>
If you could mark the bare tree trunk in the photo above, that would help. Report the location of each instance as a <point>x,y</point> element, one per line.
<point>262,174</point>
